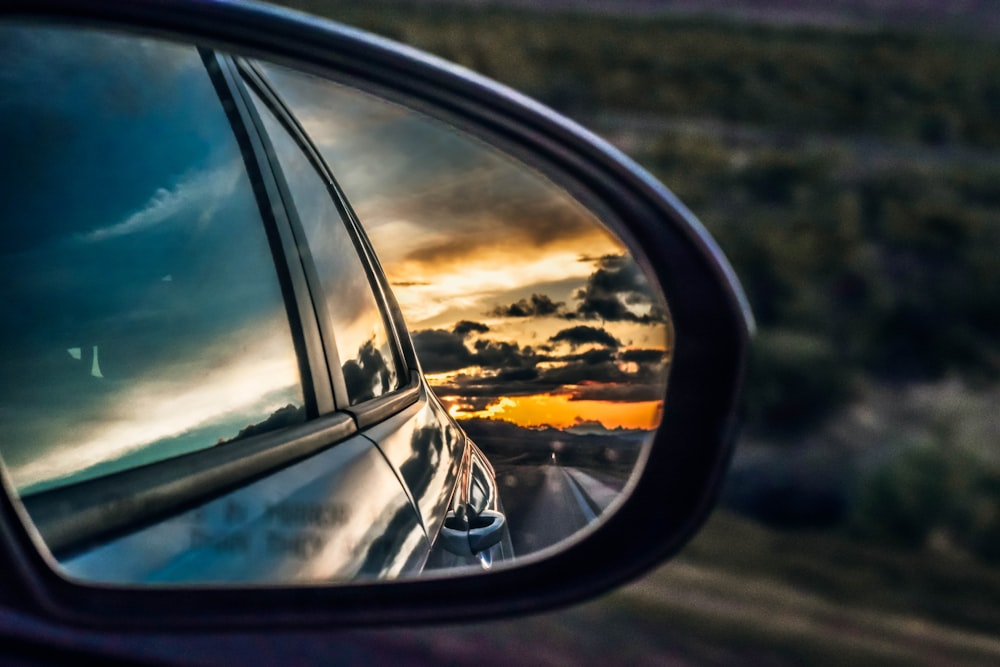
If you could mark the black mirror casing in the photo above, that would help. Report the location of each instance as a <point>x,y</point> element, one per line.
<point>710,316</point>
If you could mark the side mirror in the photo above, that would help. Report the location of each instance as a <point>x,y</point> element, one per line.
<point>325,328</point>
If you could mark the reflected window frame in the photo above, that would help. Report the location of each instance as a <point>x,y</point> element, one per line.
<point>254,83</point>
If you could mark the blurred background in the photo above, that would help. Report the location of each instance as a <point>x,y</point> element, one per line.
<point>846,156</point>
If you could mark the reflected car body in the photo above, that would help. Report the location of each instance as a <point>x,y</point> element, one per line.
<point>212,382</point>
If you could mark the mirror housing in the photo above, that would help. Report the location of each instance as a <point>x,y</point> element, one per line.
<point>710,316</point>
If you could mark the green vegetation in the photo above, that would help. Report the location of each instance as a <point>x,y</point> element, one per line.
<point>855,269</point>
<point>933,496</point>
<point>928,89</point>
<point>941,585</point>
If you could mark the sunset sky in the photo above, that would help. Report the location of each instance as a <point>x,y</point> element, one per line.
<point>522,306</point>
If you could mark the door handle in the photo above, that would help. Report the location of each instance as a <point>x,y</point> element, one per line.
<point>466,532</point>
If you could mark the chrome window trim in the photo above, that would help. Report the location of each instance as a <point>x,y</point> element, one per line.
<point>383,407</point>
<point>323,351</point>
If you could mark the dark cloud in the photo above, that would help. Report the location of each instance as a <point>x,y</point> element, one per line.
<point>491,387</point>
<point>620,393</point>
<point>593,375</point>
<point>597,355</point>
<point>582,372</point>
<point>617,284</point>
<point>465,327</point>
<point>524,374</point>
<point>441,351</point>
<point>539,305</point>
<point>617,291</point>
<point>605,373</point>
<point>582,335</point>
<point>502,354</point>
<point>603,381</point>
<point>644,356</point>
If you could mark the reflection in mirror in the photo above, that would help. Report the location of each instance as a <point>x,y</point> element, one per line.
<point>532,322</point>
<point>206,373</point>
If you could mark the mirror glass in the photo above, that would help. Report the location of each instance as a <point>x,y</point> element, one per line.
<point>261,327</point>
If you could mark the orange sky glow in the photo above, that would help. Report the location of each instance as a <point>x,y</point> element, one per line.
<point>560,411</point>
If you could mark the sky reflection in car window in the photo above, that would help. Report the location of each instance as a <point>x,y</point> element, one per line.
<point>142,313</point>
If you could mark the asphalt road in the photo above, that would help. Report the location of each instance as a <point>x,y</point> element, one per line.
<point>547,503</point>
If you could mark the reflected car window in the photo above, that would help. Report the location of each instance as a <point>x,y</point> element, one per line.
<point>366,355</point>
<point>142,312</point>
